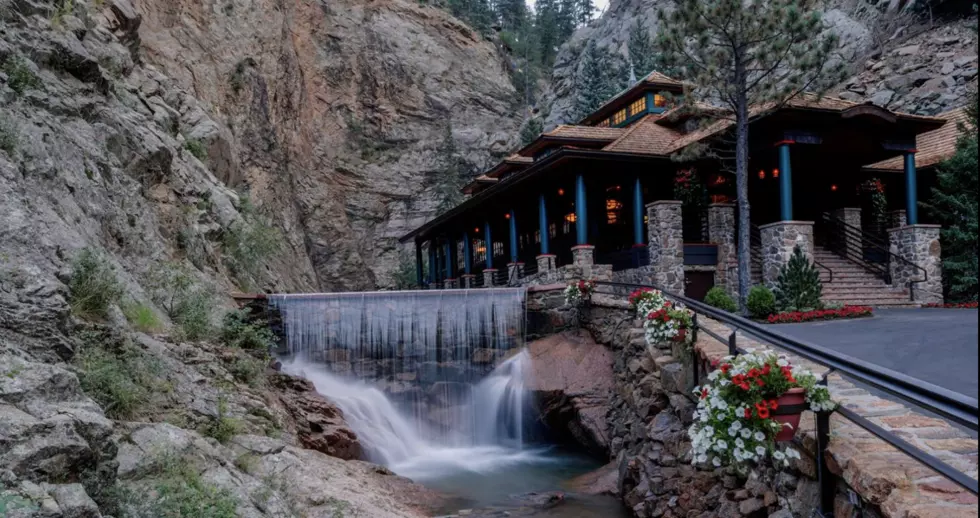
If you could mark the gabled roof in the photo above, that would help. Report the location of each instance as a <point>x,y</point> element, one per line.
<point>646,137</point>
<point>932,147</point>
<point>479,183</point>
<point>586,136</point>
<point>653,81</point>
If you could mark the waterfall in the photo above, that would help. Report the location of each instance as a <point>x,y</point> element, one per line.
<point>431,381</point>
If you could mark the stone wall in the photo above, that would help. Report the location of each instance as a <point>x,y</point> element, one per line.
<point>918,244</point>
<point>778,241</point>
<point>721,231</point>
<point>666,238</point>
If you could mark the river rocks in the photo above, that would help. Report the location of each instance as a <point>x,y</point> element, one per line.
<point>320,424</point>
<point>603,481</point>
<point>572,380</point>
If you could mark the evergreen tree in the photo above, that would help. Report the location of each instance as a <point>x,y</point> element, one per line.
<point>642,50</point>
<point>955,206</point>
<point>548,32</point>
<point>405,276</point>
<point>513,15</point>
<point>584,11</point>
<point>531,130</point>
<point>743,54</point>
<point>449,181</point>
<point>798,286</point>
<point>599,78</point>
<point>566,19</point>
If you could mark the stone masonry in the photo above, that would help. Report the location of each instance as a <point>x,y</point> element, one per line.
<point>851,216</point>
<point>583,255</point>
<point>918,244</point>
<point>778,241</point>
<point>666,238</point>
<point>721,232</point>
<point>898,218</point>
<point>488,274</point>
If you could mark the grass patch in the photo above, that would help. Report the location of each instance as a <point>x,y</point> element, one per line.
<point>246,462</point>
<point>222,428</point>
<point>249,243</point>
<point>20,76</point>
<point>196,148</point>
<point>188,303</point>
<point>93,286</point>
<point>9,136</point>
<point>248,370</point>
<point>142,317</point>
<point>118,375</point>
<point>178,492</point>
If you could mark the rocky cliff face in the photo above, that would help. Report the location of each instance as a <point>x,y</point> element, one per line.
<point>906,52</point>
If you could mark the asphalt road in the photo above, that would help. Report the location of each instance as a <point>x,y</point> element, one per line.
<point>934,345</point>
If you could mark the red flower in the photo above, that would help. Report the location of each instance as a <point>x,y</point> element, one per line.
<point>748,413</point>
<point>773,404</point>
<point>744,386</point>
<point>759,382</point>
<point>764,413</point>
<point>767,370</point>
<point>738,379</point>
<point>725,368</point>
<point>754,373</point>
<point>704,393</point>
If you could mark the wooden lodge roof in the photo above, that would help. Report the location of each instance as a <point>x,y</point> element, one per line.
<point>586,132</point>
<point>652,81</point>
<point>932,147</point>
<point>646,137</point>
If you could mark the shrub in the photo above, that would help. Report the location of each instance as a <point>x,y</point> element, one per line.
<point>93,286</point>
<point>238,331</point>
<point>179,492</point>
<point>174,288</point>
<point>798,287</point>
<point>249,243</point>
<point>222,428</point>
<point>142,317</point>
<point>761,302</point>
<point>20,76</point>
<point>720,299</point>
<point>248,370</point>
<point>9,137</point>
<point>193,315</point>
<point>117,375</point>
<point>196,148</point>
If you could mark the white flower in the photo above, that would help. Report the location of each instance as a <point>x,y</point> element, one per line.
<point>722,444</point>
<point>740,443</point>
<point>760,451</point>
<point>759,436</point>
<point>705,417</point>
<point>724,382</point>
<point>714,375</point>
<point>732,433</point>
<point>702,458</point>
<point>793,454</point>
<point>778,455</point>
<point>723,405</point>
<point>716,462</point>
<point>746,433</point>
<point>782,362</point>
<point>709,430</point>
<point>737,425</point>
<point>721,417</point>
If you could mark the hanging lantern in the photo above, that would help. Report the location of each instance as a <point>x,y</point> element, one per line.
<point>762,174</point>
<point>775,173</point>
<point>833,187</point>
<point>561,192</point>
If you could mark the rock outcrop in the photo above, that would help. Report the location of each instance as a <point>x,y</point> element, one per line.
<point>572,382</point>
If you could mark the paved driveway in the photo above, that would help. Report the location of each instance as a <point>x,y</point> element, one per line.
<point>934,345</point>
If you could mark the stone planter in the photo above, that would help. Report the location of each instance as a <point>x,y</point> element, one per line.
<point>792,404</point>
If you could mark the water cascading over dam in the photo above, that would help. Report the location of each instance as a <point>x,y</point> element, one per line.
<point>431,381</point>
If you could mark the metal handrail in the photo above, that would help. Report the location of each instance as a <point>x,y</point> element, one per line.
<point>956,407</point>
<point>755,239</point>
<point>874,243</point>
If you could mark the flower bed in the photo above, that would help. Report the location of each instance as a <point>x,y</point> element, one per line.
<point>952,305</point>
<point>792,317</point>
<point>662,319</point>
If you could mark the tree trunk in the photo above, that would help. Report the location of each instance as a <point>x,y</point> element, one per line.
<point>742,188</point>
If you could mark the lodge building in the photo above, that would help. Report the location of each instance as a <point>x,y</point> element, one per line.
<point>609,195</point>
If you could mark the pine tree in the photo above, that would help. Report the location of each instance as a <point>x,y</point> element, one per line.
<point>567,18</point>
<point>531,130</point>
<point>590,82</point>
<point>743,54</point>
<point>798,287</point>
<point>642,50</point>
<point>584,11</point>
<point>547,30</point>
<point>513,15</point>
<point>955,206</point>
<point>449,181</point>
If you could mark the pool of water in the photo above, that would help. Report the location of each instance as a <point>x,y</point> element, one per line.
<point>504,474</point>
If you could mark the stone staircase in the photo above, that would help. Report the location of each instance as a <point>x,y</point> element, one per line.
<point>855,286</point>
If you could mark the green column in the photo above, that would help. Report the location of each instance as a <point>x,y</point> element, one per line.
<point>911,190</point>
<point>785,183</point>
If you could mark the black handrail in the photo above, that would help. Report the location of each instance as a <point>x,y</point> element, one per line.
<point>755,243</point>
<point>868,241</point>
<point>956,407</point>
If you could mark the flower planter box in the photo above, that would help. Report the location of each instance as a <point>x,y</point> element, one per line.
<point>791,407</point>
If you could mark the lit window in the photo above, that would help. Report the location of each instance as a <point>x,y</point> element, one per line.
<point>619,117</point>
<point>659,101</point>
<point>498,248</point>
<point>638,106</point>
<point>604,123</point>
<point>570,217</point>
<point>613,208</point>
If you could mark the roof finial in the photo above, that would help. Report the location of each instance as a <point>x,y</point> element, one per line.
<point>633,79</point>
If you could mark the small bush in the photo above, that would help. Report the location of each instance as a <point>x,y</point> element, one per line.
<point>119,376</point>
<point>20,77</point>
<point>718,298</point>
<point>238,331</point>
<point>249,243</point>
<point>142,317</point>
<point>248,370</point>
<point>246,462</point>
<point>178,492</point>
<point>761,302</point>
<point>222,428</point>
<point>175,289</point>
<point>193,316</point>
<point>798,287</point>
<point>196,148</point>
<point>93,286</point>
<point>9,137</point>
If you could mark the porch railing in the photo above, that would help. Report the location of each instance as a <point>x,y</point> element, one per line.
<point>864,249</point>
<point>955,407</point>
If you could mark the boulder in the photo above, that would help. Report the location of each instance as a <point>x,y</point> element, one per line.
<point>603,481</point>
<point>320,424</point>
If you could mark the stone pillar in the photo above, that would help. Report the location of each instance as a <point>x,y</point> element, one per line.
<point>666,241</point>
<point>488,274</point>
<point>467,281</point>
<point>515,271</point>
<point>546,263</point>
<point>721,232</point>
<point>451,284</point>
<point>918,244</point>
<point>897,218</point>
<point>778,241</point>
<point>851,217</point>
<point>583,255</point>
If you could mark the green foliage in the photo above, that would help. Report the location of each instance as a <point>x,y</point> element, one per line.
<point>798,287</point>
<point>222,428</point>
<point>63,8</point>
<point>954,205</point>
<point>642,51</point>
<point>720,299</point>
<point>450,176</point>
<point>531,130</point>
<point>405,276</point>
<point>599,78</point>
<point>20,76</point>
<point>93,286</point>
<point>246,462</point>
<point>174,288</point>
<point>241,331</point>
<point>761,302</point>
<point>196,148</point>
<point>178,492</point>
<point>248,370</point>
<point>9,136</point>
<point>118,375</point>
<point>143,318</point>
<point>239,76</point>
<point>249,243</point>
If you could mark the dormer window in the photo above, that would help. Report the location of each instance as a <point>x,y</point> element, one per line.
<point>659,101</point>
<point>619,117</point>
<point>604,123</point>
<point>638,106</point>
